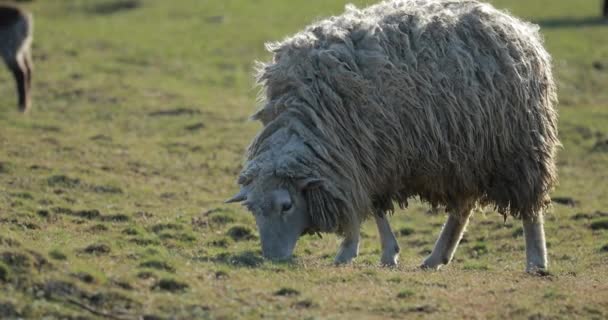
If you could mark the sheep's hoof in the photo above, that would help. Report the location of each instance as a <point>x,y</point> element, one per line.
<point>345,257</point>
<point>389,261</point>
<point>340,261</point>
<point>430,263</point>
<point>538,271</point>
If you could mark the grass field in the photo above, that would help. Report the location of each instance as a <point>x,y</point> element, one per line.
<point>112,187</point>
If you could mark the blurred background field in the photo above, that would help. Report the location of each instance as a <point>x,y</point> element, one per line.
<point>111,188</point>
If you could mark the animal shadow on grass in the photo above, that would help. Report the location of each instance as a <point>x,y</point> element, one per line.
<point>572,22</point>
<point>246,259</point>
<point>115,6</point>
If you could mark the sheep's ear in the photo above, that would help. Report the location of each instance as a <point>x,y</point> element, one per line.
<point>309,183</point>
<point>240,196</point>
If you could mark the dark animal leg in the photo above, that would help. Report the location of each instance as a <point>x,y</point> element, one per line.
<point>20,75</point>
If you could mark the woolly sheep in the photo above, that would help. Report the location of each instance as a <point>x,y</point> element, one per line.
<point>15,41</point>
<point>449,101</point>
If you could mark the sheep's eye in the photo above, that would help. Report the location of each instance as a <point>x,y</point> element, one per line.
<point>286,207</point>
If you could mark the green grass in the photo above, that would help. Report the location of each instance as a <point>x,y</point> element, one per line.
<point>111,189</point>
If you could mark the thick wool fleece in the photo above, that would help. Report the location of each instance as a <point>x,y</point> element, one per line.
<point>451,101</point>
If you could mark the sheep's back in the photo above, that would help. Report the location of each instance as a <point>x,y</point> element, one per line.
<point>447,100</point>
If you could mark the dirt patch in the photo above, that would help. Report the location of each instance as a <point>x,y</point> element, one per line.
<point>98,228</point>
<point>241,233</point>
<point>244,259</point>
<point>46,128</point>
<point>158,228</point>
<point>22,195</point>
<point>404,232</point>
<point>63,181</point>
<point>221,275</point>
<point>215,19</point>
<point>158,265</point>
<point>518,232</point>
<point>106,189</point>
<point>183,237</point>
<point>57,255</point>
<point>4,272</point>
<point>170,285</point>
<point>130,231</point>
<point>84,277</point>
<point>109,305</point>
<point>40,261</point>
<point>195,127</point>
<point>221,219</point>
<point>599,225</point>
<point>423,309</point>
<point>589,216</point>
<point>101,137</point>
<point>17,261</point>
<point>145,275</point>
<point>22,224</point>
<point>145,242</point>
<point>287,292</point>
<point>174,112</point>
<point>304,304</point>
<point>220,243</point>
<point>404,294</point>
<point>18,266</point>
<point>8,310</point>
<point>566,201</point>
<point>89,214</point>
<point>600,146</point>
<point>85,214</point>
<point>116,218</point>
<point>215,216</point>
<point>8,242</point>
<point>3,167</point>
<point>112,7</point>
<point>97,249</point>
<point>122,284</point>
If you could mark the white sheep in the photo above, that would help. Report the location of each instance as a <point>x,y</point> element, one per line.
<point>449,101</point>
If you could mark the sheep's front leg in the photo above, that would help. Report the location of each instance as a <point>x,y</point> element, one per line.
<point>448,240</point>
<point>349,248</point>
<point>390,247</point>
<point>20,74</point>
<point>536,249</point>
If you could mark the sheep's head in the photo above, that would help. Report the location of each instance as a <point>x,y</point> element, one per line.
<point>281,211</point>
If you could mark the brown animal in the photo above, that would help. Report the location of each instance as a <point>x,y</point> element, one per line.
<point>16,28</point>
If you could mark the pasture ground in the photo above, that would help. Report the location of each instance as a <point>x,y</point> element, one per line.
<point>111,189</point>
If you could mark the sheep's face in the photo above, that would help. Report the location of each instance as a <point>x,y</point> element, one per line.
<point>280,212</point>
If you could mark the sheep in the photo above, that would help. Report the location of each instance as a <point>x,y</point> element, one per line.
<point>16,28</point>
<point>448,101</point>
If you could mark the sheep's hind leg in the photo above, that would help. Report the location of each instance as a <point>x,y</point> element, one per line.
<point>349,248</point>
<point>448,240</point>
<point>390,247</point>
<point>536,249</point>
